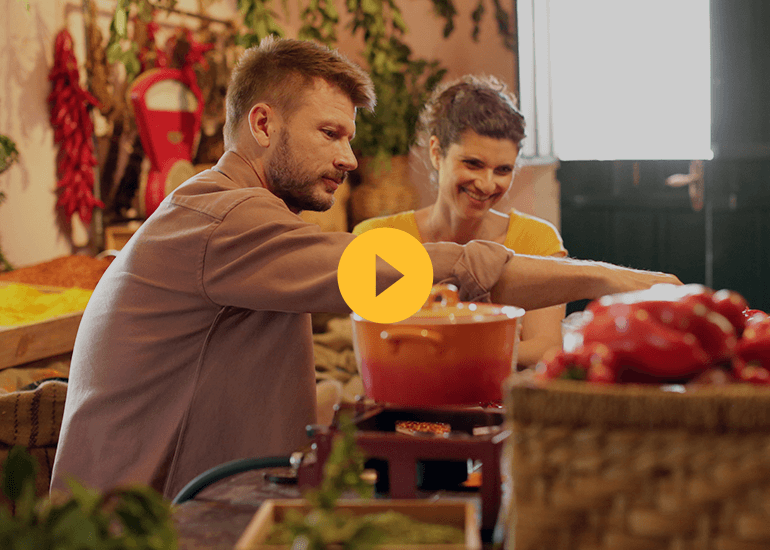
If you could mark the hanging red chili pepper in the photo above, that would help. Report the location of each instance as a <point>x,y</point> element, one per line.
<point>150,55</point>
<point>73,132</point>
<point>184,52</point>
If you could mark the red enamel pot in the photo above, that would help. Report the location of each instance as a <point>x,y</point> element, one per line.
<point>448,353</point>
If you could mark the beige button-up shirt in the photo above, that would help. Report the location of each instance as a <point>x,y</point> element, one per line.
<point>196,348</point>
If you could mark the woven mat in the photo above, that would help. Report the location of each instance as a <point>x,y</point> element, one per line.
<point>33,419</point>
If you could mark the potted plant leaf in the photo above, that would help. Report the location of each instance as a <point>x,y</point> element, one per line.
<point>8,155</point>
<point>384,138</point>
<point>135,517</point>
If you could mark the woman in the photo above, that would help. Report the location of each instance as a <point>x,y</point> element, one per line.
<point>473,132</point>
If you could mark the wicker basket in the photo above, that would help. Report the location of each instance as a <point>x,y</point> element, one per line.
<point>632,468</point>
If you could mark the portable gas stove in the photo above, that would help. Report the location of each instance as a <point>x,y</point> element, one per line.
<point>407,446</point>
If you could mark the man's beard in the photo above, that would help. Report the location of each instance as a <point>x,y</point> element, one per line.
<point>289,182</point>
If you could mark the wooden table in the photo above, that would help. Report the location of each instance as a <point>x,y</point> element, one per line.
<point>218,515</point>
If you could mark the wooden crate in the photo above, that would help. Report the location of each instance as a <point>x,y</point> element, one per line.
<point>21,344</point>
<point>116,236</point>
<point>459,513</point>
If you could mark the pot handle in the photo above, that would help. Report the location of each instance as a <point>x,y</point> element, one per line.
<point>442,295</point>
<point>395,335</point>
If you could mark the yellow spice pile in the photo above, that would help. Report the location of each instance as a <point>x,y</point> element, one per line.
<point>21,304</point>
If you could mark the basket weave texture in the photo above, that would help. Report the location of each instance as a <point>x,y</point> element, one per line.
<point>636,468</point>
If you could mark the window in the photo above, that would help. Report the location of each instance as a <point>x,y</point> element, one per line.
<point>616,79</point>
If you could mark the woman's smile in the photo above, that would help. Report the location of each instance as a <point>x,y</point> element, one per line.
<point>478,197</point>
<point>475,172</point>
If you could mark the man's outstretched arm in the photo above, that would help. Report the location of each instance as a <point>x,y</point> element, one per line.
<point>532,282</point>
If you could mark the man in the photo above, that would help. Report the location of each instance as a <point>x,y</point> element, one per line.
<point>195,348</point>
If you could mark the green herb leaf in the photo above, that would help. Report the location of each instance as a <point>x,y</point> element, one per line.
<point>120,21</point>
<point>19,471</point>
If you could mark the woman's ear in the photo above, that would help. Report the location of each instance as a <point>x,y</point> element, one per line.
<point>434,150</point>
<point>262,123</point>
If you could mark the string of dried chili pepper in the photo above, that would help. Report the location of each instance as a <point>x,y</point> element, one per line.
<point>73,131</point>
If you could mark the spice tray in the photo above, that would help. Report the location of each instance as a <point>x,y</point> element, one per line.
<point>21,344</point>
<point>455,512</point>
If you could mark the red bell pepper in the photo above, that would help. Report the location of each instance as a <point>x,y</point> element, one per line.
<point>753,371</point>
<point>594,362</point>
<point>753,348</point>
<point>731,306</point>
<point>642,344</point>
<point>667,332</point>
<point>752,316</point>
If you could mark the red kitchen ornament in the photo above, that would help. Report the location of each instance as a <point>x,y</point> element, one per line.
<point>168,107</point>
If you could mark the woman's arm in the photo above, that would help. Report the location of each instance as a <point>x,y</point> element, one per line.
<point>540,331</point>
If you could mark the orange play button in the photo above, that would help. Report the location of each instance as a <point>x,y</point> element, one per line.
<point>357,275</point>
<point>380,283</point>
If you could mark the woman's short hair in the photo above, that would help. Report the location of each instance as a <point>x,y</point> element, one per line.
<point>278,71</point>
<point>473,102</point>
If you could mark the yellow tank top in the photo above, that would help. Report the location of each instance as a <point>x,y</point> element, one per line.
<point>526,234</point>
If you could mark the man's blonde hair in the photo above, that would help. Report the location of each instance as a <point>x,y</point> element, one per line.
<point>279,71</point>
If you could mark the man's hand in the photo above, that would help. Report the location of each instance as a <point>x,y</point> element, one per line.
<point>532,282</point>
<point>622,279</point>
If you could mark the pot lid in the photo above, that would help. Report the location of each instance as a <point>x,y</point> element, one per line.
<point>443,306</point>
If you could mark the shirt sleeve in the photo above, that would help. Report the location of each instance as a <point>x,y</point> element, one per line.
<point>261,256</point>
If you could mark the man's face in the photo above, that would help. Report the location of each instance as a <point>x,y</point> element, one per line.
<point>312,154</point>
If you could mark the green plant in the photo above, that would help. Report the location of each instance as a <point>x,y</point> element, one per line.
<point>134,518</point>
<point>8,155</point>
<point>260,20</point>
<point>319,22</point>
<point>120,49</point>
<point>5,265</point>
<point>402,82</point>
<point>447,11</point>
<point>326,526</point>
